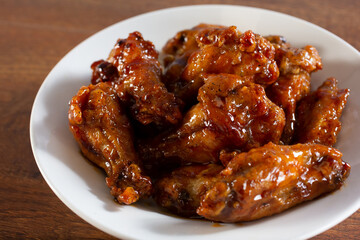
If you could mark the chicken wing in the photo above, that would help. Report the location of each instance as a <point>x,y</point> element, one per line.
<point>318,114</point>
<point>103,131</point>
<point>262,182</point>
<point>138,81</point>
<point>226,50</point>
<point>184,43</point>
<point>232,112</point>
<point>177,51</point>
<point>295,65</point>
<point>271,179</point>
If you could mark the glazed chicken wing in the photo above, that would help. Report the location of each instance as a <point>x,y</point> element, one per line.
<point>138,81</point>
<point>177,51</point>
<point>102,129</point>
<point>226,50</point>
<point>295,65</point>
<point>271,179</point>
<point>262,182</point>
<point>184,43</point>
<point>318,114</point>
<point>233,112</point>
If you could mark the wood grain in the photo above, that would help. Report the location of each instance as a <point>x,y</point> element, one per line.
<point>34,36</point>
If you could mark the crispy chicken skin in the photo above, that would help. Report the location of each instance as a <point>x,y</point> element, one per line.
<point>270,179</point>
<point>318,114</point>
<point>180,191</point>
<point>138,81</point>
<point>222,50</point>
<point>103,131</point>
<point>233,112</point>
<point>295,65</point>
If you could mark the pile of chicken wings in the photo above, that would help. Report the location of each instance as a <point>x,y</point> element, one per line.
<point>223,125</point>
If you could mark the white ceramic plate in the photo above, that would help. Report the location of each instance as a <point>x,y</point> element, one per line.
<point>82,187</point>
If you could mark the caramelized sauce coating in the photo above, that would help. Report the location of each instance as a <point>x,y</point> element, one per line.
<point>184,43</point>
<point>103,71</point>
<point>226,50</point>
<point>318,114</point>
<point>295,65</point>
<point>229,51</point>
<point>178,50</point>
<point>232,112</point>
<point>103,131</point>
<point>138,81</point>
<point>269,179</point>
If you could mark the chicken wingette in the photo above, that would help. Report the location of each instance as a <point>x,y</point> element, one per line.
<point>102,129</point>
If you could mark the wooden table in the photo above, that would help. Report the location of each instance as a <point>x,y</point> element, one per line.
<point>34,35</point>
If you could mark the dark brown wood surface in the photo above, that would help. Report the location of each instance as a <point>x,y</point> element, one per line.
<point>34,36</point>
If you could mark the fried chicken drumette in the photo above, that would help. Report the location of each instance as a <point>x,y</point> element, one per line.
<point>103,131</point>
<point>233,112</point>
<point>177,51</point>
<point>138,81</point>
<point>220,50</point>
